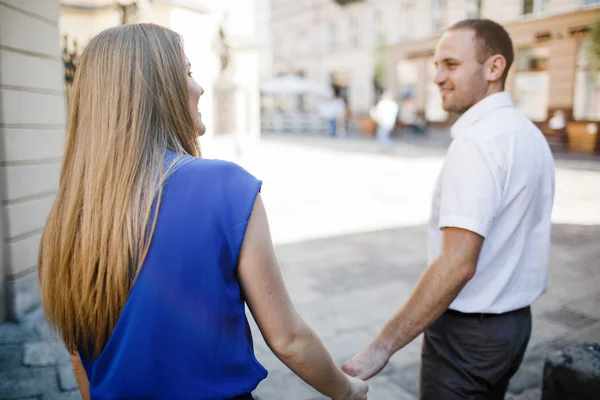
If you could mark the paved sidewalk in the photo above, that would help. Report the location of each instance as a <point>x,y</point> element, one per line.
<point>347,287</point>
<point>349,226</point>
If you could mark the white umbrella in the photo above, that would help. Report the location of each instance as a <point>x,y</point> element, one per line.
<point>293,84</point>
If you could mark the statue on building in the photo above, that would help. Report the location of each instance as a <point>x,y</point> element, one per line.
<point>223,49</point>
<point>129,11</point>
<point>224,88</point>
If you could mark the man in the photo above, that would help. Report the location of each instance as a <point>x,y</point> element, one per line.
<point>385,113</point>
<point>489,233</point>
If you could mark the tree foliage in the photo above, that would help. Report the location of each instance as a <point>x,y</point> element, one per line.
<point>379,78</point>
<point>594,48</point>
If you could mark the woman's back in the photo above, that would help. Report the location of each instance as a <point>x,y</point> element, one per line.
<point>183,333</point>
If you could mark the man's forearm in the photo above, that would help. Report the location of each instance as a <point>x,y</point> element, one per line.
<point>438,287</point>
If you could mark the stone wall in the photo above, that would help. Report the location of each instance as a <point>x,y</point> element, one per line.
<point>32,127</point>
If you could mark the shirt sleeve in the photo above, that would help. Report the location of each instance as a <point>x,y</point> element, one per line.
<point>471,187</point>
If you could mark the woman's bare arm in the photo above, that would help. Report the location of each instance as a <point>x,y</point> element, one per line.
<point>288,336</point>
<point>80,376</point>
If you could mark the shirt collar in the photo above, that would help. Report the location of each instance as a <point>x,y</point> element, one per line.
<point>480,109</point>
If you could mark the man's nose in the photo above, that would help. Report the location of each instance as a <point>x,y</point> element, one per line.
<point>440,76</point>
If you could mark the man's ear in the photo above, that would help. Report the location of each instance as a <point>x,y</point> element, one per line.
<point>494,68</point>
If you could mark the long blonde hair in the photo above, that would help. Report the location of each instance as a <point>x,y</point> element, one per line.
<point>129,105</point>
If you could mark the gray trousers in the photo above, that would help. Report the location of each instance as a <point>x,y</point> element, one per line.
<point>473,356</point>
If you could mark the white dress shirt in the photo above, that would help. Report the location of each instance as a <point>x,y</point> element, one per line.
<point>497,181</point>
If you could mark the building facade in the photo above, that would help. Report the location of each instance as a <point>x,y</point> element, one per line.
<point>552,71</point>
<point>362,47</point>
<point>343,46</point>
<point>220,40</point>
<point>33,106</point>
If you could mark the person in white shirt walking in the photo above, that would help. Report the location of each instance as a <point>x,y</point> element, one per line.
<point>385,114</point>
<point>489,232</point>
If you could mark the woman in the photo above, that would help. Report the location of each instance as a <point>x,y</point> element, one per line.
<point>150,253</point>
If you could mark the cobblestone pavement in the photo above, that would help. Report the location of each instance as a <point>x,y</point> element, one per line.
<point>349,226</point>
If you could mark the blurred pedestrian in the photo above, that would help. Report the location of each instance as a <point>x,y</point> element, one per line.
<point>558,123</point>
<point>335,115</point>
<point>385,114</point>
<point>489,232</point>
<point>410,117</point>
<point>150,253</point>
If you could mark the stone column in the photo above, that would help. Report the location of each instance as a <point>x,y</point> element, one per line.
<point>32,130</point>
<point>224,106</point>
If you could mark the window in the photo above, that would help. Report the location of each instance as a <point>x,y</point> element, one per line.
<point>474,8</point>
<point>586,99</point>
<point>399,32</point>
<point>331,39</point>
<point>528,7</point>
<point>533,59</point>
<point>407,24</point>
<point>590,2</point>
<point>403,20</point>
<point>532,82</point>
<point>438,8</point>
<point>301,41</point>
<point>353,32</point>
<point>533,6</point>
<point>377,25</point>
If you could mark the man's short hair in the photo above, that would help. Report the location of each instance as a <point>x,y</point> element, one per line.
<point>491,38</point>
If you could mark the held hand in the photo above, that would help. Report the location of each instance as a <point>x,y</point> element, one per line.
<point>357,390</point>
<point>367,363</point>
